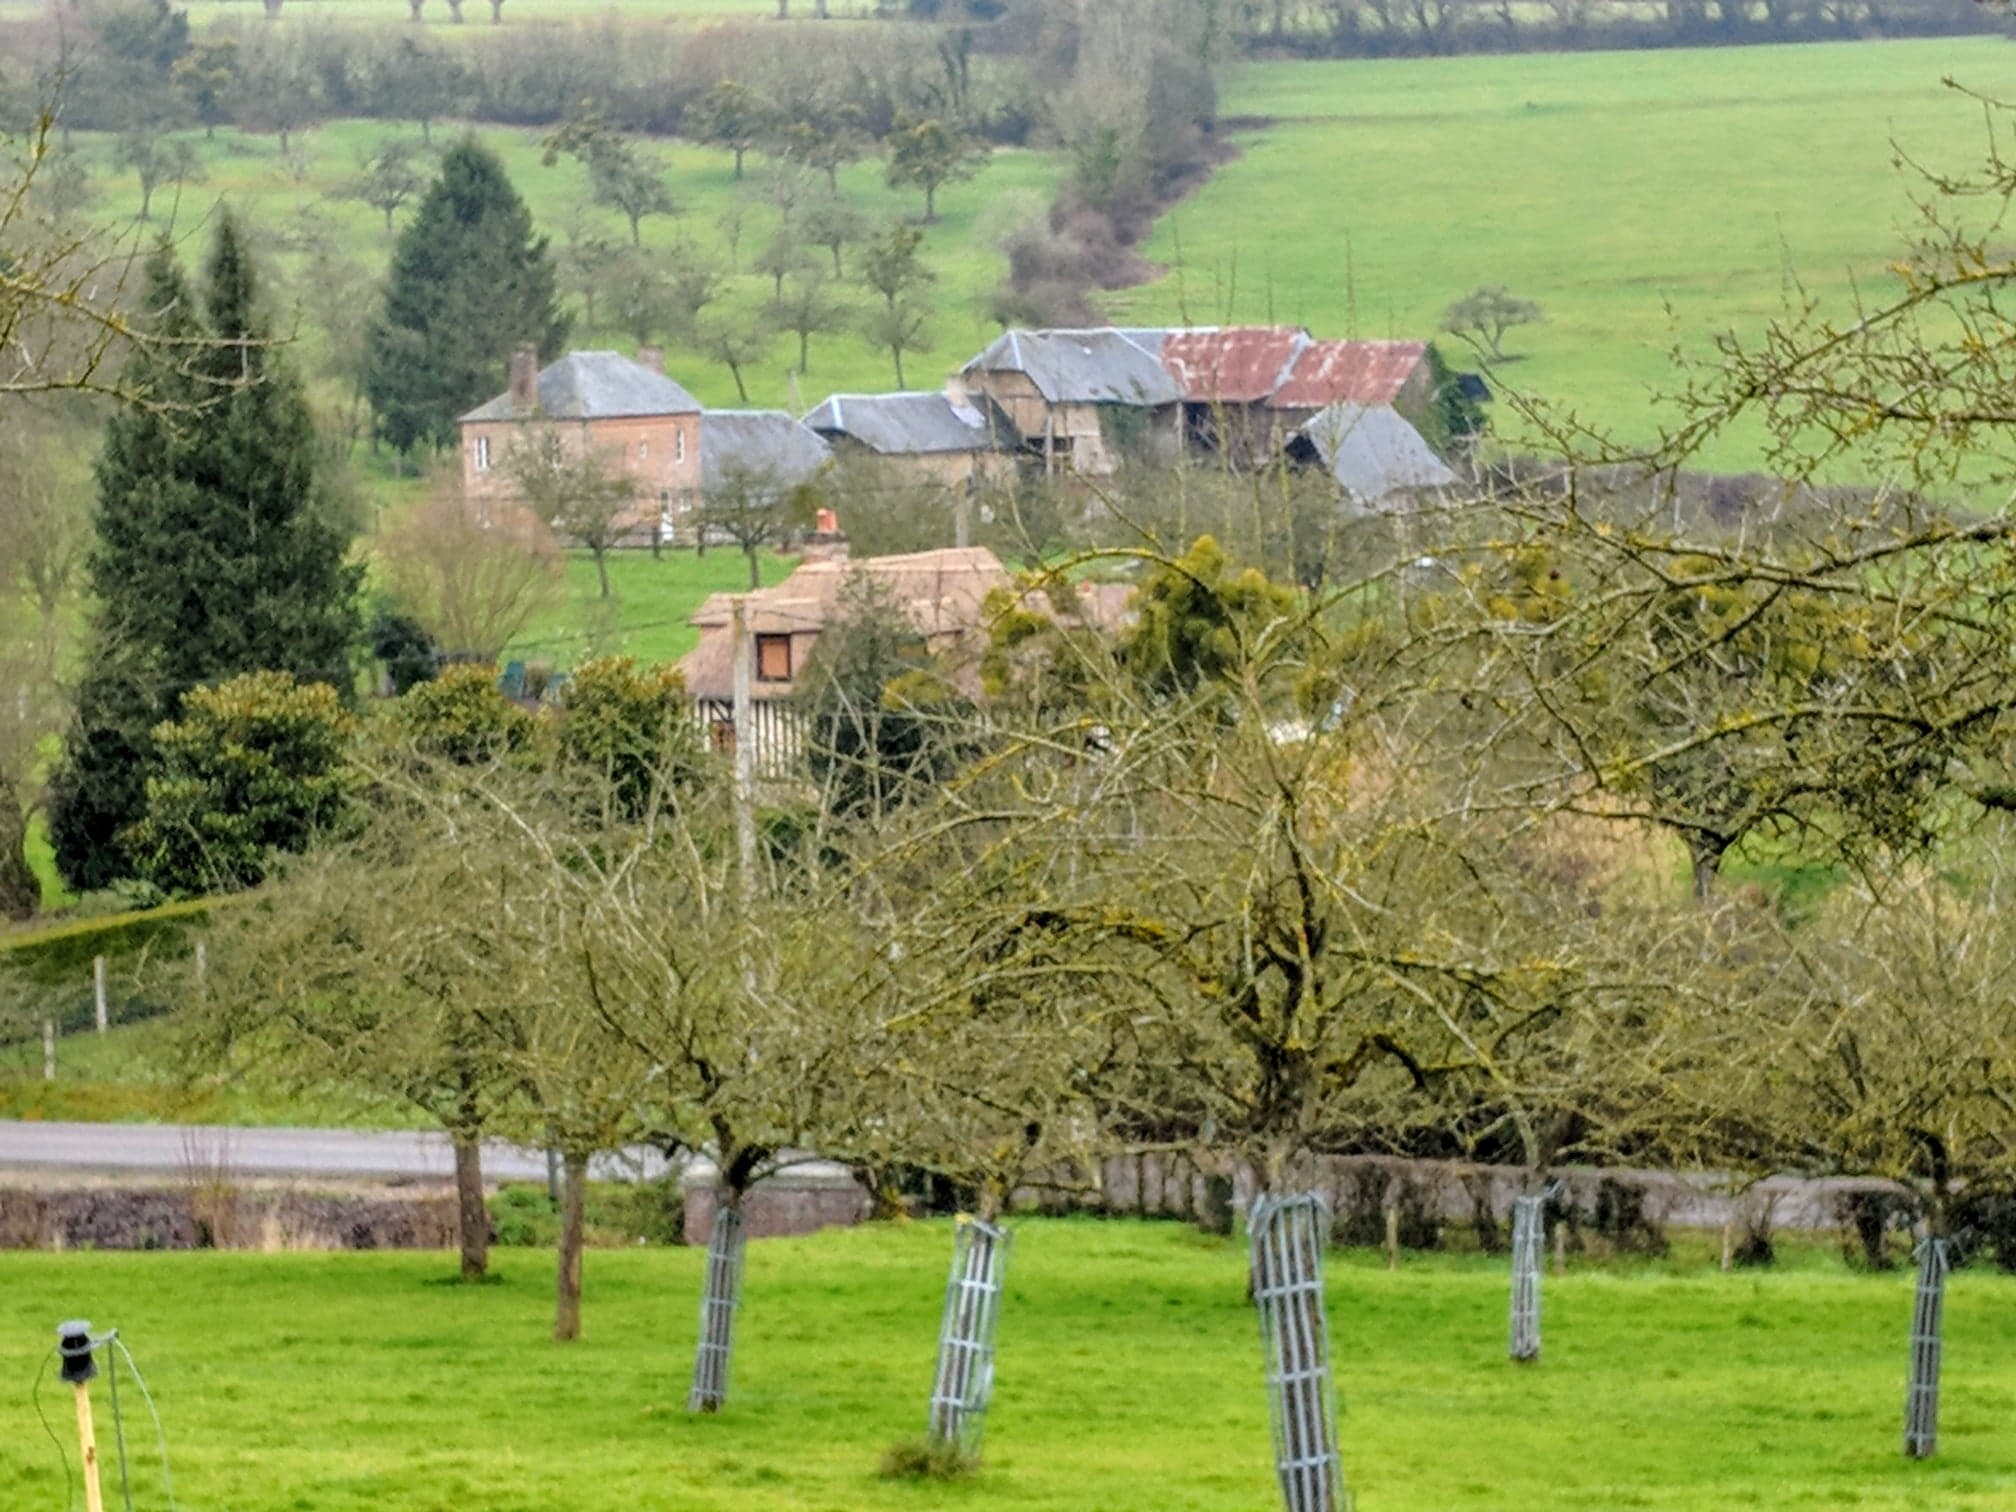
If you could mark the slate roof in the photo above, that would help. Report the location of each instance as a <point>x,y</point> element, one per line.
<point>595,386</point>
<point>1349,372</point>
<point>1100,366</point>
<point>904,424</point>
<point>1373,452</point>
<point>765,446</point>
<point>1235,365</point>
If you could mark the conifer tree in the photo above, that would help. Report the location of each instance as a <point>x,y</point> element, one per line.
<point>469,282</point>
<point>219,550</point>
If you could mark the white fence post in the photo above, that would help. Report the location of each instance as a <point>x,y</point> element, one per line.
<point>98,993</point>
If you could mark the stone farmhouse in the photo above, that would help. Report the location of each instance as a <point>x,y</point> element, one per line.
<point>645,424</point>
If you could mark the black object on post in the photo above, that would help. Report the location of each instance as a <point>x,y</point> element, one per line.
<point>73,1343</point>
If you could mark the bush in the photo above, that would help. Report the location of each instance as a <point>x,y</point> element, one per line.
<point>255,766</point>
<point>613,1212</point>
<point>462,716</point>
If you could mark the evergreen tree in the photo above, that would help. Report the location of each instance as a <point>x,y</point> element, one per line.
<point>219,550</point>
<point>469,282</point>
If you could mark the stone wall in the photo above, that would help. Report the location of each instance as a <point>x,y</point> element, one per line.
<point>116,1217</point>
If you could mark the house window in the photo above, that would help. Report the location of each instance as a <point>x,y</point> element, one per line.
<point>643,451</point>
<point>773,658</point>
<point>679,446</point>
<point>481,449</point>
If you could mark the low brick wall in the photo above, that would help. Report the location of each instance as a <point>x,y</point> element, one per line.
<point>792,1202</point>
<point>117,1217</point>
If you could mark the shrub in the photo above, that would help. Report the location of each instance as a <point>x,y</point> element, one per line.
<point>462,716</point>
<point>1866,1218</point>
<point>255,766</point>
<point>630,729</point>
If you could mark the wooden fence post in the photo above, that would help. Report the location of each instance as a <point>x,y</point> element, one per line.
<point>48,1049</point>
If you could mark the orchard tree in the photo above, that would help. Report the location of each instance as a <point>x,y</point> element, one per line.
<point>1485,314</point>
<point>733,116</point>
<point>928,154</point>
<point>586,496</point>
<point>389,176</point>
<point>621,176</point>
<point>470,282</point>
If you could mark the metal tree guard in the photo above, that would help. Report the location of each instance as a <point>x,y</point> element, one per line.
<point>965,1381</point>
<point>719,1298</point>
<point>1928,1312</point>
<point>1529,1228</point>
<point>1288,1235</point>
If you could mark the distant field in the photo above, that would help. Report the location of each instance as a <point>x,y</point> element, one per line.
<point>1128,1380</point>
<point>1605,185</point>
<point>248,171</point>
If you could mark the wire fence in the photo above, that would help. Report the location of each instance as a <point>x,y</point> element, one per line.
<point>964,1385</point>
<point>719,1299</point>
<point>1928,1314</point>
<point>1288,1236</point>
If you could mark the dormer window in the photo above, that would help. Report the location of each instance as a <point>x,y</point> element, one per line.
<point>773,658</point>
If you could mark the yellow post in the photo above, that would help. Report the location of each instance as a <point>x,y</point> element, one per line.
<point>87,1448</point>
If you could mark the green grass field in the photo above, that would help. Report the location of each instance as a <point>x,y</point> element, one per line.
<point>1128,1381</point>
<point>646,614</point>
<point>1604,185</point>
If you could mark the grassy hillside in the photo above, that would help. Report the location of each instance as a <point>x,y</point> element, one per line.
<point>1643,198</point>
<point>1128,1379</point>
<point>249,172</point>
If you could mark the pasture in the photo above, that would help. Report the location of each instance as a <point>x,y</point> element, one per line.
<point>1646,199</point>
<point>1128,1379</point>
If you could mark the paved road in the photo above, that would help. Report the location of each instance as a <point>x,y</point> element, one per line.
<point>320,1154</point>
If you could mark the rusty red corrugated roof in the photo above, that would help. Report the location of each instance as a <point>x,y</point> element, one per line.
<point>1232,365</point>
<point>1349,372</point>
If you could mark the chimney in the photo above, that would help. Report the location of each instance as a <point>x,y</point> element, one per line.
<point>825,541</point>
<point>524,376</point>
<point>652,357</point>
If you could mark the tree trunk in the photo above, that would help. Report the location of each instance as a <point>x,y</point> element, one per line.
<point>455,11</point>
<point>20,892</point>
<point>804,352</point>
<point>897,353</point>
<point>738,163</point>
<point>930,204</point>
<point>755,568</point>
<point>472,1216</point>
<point>567,1305</point>
<point>601,555</point>
<point>721,1296</point>
<point>413,7</point>
<point>741,389</point>
<point>496,12</point>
